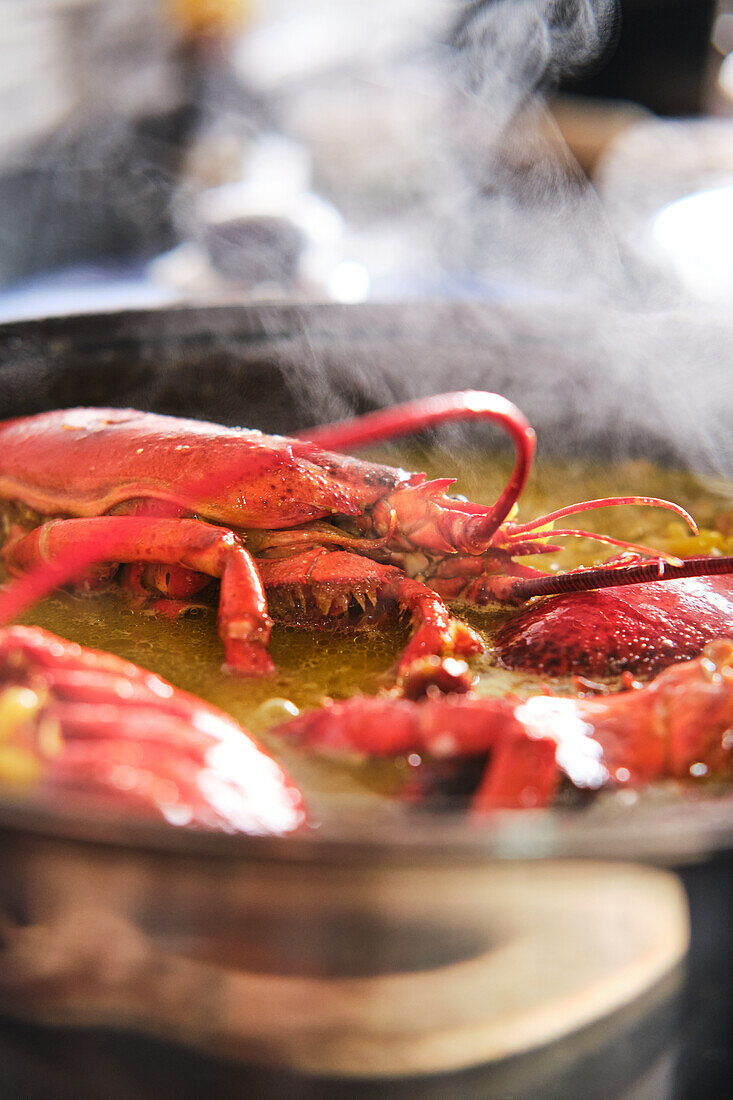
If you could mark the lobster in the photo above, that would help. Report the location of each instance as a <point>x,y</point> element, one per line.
<point>163,505</point>
<point>75,721</point>
<point>677,727</point>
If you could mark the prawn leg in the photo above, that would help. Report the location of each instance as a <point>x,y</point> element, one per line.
<point>327,585</point>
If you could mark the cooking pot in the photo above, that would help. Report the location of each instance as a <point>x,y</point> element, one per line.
<point>411,956</point>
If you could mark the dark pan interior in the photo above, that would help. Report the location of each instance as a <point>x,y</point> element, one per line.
<point>586,380</point>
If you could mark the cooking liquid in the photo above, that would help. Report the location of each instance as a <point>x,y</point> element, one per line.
<point>311,665</point>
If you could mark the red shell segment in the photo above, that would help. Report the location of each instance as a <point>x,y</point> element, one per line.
<point>84,462</point>
<point>101,728</point>
<point>640,629</point>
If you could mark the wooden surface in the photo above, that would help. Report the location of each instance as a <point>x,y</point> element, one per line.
<point>414,970</point>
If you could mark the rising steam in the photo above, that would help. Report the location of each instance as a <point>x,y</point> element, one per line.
<point>525,209</point>
<point>506,51</point>
<point>480,199</point>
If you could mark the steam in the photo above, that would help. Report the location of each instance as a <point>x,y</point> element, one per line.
<point>437,145</point>
<point>448,166</point>
<point>528,212</point>
<point>505,51</point>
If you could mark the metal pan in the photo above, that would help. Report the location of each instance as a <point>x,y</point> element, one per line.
<point>283,367</point>
<point>144,926</point>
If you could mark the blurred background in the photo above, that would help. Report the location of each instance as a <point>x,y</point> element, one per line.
<point>214,150</point>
